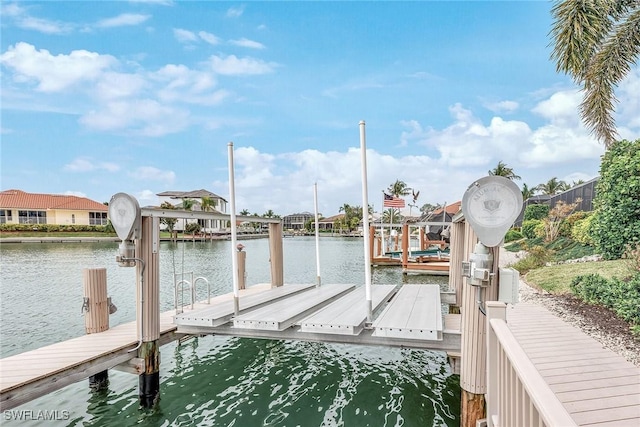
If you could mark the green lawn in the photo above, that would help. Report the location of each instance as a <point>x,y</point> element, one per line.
<point>557,278</point>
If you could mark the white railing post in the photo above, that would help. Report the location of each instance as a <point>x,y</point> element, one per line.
<point>495,310</point>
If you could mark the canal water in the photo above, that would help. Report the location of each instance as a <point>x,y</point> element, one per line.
<point>221,381</point>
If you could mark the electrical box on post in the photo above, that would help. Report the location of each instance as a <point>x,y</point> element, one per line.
<point>509,285</point>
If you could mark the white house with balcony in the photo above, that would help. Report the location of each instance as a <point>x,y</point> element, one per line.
<point>177,198</point>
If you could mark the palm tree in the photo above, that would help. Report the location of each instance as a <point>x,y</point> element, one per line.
<point>399,189</point>
<point>187,204</point>
<point>596,43</point>
<point>527,192</point>
<point>268,214</point>
<point>552,187</point>
<point>502,170</point>
<point>208,204</point>
<point>244,212</point>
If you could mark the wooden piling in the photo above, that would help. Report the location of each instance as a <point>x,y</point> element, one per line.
<point>405,246</point>
<point>148,311</point>
<point>275,254</point>
<point>96,318</point>
<point>372,241</point>
<point>96,315</point>
<point>242,276</point>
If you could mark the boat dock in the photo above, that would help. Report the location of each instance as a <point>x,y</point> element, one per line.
<point>331,313</point>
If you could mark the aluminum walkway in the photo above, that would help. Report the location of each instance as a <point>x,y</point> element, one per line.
<point>336,313</point>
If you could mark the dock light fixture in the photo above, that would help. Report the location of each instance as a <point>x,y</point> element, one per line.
<point>490,205</point>
<point>124,213</point>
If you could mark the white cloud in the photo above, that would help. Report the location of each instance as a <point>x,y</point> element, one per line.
<point>628,107</point>
<point>232,65</point>
<point>122,20</point>
<point>147,197</point>
<point>502,106</point>
<point>243,42</point>
<point>54,73</point>
<point>184,36</point>
<point>113,85</point>
<point>144,117</point>
<point>23,20</point>
<point>150,173</point>
<point>561,108</point>
<point>84,164</point>
<point>209,38</point>
<point>235,12</point>
<point>414,134</point>
<point>182,84</point>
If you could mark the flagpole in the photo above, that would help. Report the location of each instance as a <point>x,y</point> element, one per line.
<point>365,219</point>
<point>234,258</point>
<point>382,226</point>
<point>315,205</point>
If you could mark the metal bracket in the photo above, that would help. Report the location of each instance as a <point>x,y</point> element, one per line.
<point>85,305</point>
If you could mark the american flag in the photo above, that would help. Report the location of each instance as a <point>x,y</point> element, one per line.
<point>392,202</point>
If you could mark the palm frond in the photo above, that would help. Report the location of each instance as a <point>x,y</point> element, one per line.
<point>609,66</point>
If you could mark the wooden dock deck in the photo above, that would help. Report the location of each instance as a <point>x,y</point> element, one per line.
<point>34,373</point>
<point>596,386</point>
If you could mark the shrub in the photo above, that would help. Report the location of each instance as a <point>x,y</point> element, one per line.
<point>567,224</point>
<point>529,228</point>
<point>537,256</point>
<point>536,212</point>
<point>512,235</point>
<point>617,221</point>
<point>192,228</point>
<point>581,230</point>
<point>52,228</point>
<point>622,296</point>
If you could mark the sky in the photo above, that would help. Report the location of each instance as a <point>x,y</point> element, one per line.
<point>145,96</point>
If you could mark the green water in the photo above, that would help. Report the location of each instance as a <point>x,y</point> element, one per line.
<point>222,381</point>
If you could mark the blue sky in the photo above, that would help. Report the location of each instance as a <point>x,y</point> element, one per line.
<point>143,97</point>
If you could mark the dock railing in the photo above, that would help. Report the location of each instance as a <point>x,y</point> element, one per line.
<point>517,395</point>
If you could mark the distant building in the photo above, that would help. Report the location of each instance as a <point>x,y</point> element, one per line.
<point>329,223</point>
<point>439,215</point>
<point>19,207</point>
<point>296,221</point>
<point>585,191</point>
<point>177,197</point>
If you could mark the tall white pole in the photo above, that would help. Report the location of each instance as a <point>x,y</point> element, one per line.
<point>365,219</point>
<point>382,245</point>
<point>315,206</point>
<point>234,258</point>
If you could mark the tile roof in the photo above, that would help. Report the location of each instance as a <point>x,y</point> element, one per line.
<point>18,199</point>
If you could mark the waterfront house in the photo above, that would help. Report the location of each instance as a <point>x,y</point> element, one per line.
<point>20,207</point>
<point>296,221</point>
<point>586,192</point>
<point>176,198</point>
<point>328,224</point>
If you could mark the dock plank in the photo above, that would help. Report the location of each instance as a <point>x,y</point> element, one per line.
<point>595,385</point>
<point>348,314</point>
<point>283,314</point>
<point>222,311</point>
<point>414,313</point>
